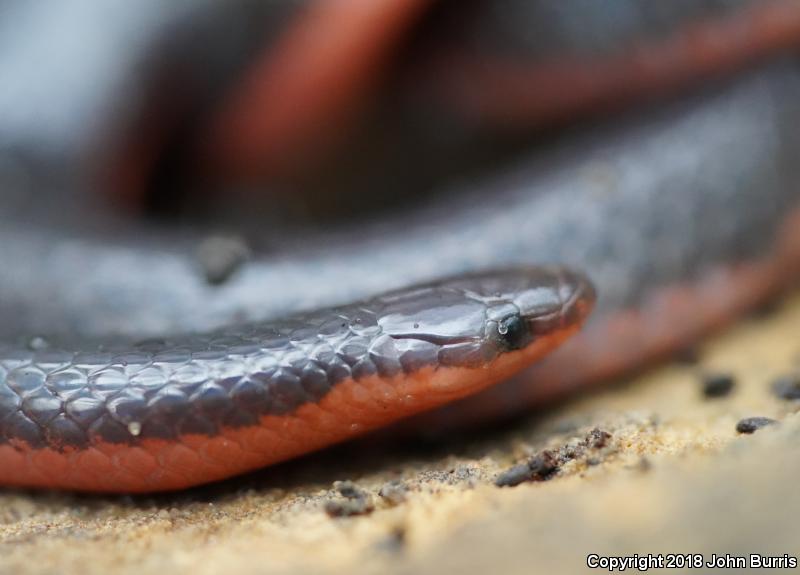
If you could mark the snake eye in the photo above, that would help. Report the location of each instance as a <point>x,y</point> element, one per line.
<point>513,332</point>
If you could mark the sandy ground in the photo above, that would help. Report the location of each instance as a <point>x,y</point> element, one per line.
<point>650,465</point>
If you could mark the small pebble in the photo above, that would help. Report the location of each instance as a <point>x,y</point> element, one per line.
<point>393,492</point>
<point>539,468</point>
<point>787,386</point>
<point>38,343</point>
<point>356,501</point>
<point>348,507</point>
<point>544,465</point>
<point>514,476</point>
<point>718,384</point>
<point>753,424</point>
<point>349,489</point>
<point>221,256</point>
<point>597,438</point>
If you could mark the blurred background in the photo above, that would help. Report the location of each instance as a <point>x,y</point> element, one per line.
<point>138,136</point>
<point>200,134</point>
<point>293,111</point>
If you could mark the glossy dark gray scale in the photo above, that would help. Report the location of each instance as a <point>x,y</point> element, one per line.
<point>230,378</point>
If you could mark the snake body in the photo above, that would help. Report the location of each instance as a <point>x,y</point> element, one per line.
<point>170,414</point>
<point>148,378</point>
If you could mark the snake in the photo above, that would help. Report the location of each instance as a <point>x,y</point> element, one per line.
<point>675,219</point>
<point>162,414</point>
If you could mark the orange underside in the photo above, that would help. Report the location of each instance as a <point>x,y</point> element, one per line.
<point>301,91</point>
<point>351,408</point>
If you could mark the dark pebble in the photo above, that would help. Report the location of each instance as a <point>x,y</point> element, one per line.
<point>356,501</point>
<point>544,464</point>
<point>787,386</point>
<point>220,257</point>
<point>753,424</point>
<point>597,438</point>
<point>349,489</point>
<point>514,476</point>
<point>718,384</point>
<point>348,507</point>
<point>539,468</point>
<point>38,343</point>
<point>393,492</point>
